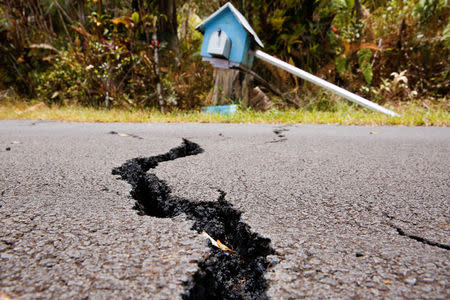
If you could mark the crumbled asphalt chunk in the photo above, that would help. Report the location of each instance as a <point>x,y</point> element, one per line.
<point>221,275</point>
<point>420,239</point>
<point>280,136</point>
<point>278,132</point>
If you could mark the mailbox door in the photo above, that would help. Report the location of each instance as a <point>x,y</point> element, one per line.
<point>219,45</point>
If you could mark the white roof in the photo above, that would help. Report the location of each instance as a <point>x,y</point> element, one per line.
<point>241,19</point>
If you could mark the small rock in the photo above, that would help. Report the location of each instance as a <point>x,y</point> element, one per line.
<point>411,280</point>
<point>309,273</point>
<point>319,276</point>
<point>8,149</point>
<point>329,281</point>
<point>273,260</point>
<point>315,261</point>
<point>359,254</point>
<point>427,289</point>
<point>428,279</point>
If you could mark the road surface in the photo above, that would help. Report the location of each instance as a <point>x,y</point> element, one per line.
<point>351,212</point>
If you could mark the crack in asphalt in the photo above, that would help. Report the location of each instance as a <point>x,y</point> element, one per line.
<point>420,239</point>
<point>222,274</point>
<point>417,238</point>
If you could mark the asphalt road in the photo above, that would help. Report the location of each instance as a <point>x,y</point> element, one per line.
<point>352,212</point>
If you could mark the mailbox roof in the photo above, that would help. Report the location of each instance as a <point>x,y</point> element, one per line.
<point>239,17</point>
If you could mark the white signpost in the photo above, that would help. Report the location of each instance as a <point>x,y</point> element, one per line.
<point>323,83</point>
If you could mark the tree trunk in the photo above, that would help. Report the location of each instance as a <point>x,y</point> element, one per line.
<point>168,26</point>
<point>156,68</point>
<point>81,12</point>
<point>358,11</point>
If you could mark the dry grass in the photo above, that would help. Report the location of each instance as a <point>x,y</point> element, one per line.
<point>412,114</point>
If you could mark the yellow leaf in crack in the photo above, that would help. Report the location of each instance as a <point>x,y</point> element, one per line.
<point>217,243</point>
<point>223,247</point>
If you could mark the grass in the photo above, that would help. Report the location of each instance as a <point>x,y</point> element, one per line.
<point>412,114</point>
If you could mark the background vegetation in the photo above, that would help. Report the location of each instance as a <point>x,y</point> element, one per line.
<point>146,53</point>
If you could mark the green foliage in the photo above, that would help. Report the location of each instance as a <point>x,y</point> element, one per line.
<point>350,28</point>
<point>341,65</point>
<point>364,56</point>
<point>427,10</point>
<point>278,19</point>
<point>61,82</point>
<point>295,31</point>
<point>101,52</point>
<point>135,17</point>
<point>446,36</point>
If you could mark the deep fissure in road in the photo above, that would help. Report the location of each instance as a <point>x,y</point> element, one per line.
<point>221,275</point>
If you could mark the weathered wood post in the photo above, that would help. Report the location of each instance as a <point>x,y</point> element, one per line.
<point>226,86</point>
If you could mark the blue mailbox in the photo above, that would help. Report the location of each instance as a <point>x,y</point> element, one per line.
<point>230,42</point>
<point>228,39</point>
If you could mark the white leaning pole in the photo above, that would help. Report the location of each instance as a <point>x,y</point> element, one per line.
<point>322,83</point>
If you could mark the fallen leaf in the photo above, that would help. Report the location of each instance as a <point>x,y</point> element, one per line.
<point>122,134</point>
<point>387,282</point>
<point>217,243</point>
<point>204,234</point>
<point>224,247</point>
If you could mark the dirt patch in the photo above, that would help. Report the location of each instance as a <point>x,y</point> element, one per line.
<point>221,275</point>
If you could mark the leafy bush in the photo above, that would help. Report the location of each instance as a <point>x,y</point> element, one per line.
<point>62,81</point>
